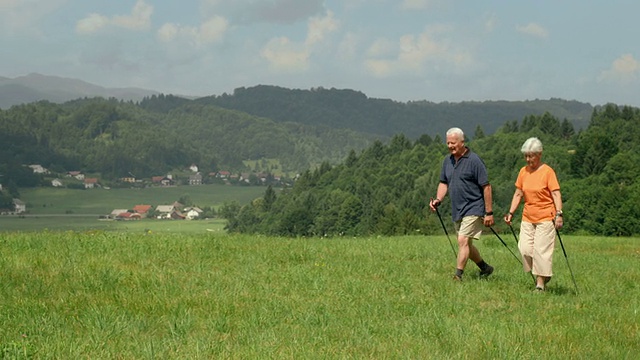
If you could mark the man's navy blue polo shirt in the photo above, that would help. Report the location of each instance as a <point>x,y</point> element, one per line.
<point>465,180</point>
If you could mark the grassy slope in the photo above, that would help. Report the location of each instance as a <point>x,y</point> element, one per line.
<point>130,295</point>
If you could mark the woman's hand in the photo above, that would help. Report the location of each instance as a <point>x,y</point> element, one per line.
<point>508,218</point>
<point>559,222</point>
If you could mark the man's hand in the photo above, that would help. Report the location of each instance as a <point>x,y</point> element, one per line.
<point>434,203</point>
<point>488,220</point>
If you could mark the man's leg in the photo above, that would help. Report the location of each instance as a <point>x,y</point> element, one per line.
<point>464,252</point>
<point>469,228</point>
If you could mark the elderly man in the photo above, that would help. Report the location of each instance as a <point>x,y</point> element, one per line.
<point>464,176</point>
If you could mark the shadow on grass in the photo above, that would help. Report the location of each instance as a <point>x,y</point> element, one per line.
<point>561,290</point>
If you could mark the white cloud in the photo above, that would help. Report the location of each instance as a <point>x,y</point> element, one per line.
<point>319,27</point>
<point>415,54</point>
<point>533,29</point>
<point>19,16</point>
<point>91,24</point>
<point>139,19</point>
<point>210,31</point>
<point>347,47</point>
<point>213,29</point>
<point>624,69</point>
<point>285,56</point>
<point>381,47</point>
<point>168,32</point>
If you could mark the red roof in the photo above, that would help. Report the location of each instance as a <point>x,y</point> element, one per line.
<point>128,215</point>
<point>141,209</point>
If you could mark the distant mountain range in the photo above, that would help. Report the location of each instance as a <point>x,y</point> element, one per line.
<point>334,108</point>
<point>36,87</point>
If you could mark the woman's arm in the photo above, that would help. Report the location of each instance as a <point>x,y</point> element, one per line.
<point>557,201</point>
<point>515,202</point>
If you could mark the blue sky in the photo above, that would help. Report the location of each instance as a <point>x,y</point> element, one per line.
<point>435,50</point>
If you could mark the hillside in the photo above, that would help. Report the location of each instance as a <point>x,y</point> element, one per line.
<point>332,108</point>
<point>112,139</point>
<point>349,109</point>
<point>385,189</point>
<point>36,87</point>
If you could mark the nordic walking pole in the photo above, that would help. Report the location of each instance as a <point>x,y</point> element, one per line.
<point>514,234</point>
<point>446,233</point>
<point>516,239</point>
<point>505,244</point>
<point>567,259</point>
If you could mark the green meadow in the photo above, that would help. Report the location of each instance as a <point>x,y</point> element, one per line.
<point>209,295</point>
<point>71,209</point>
<point>102,201</point>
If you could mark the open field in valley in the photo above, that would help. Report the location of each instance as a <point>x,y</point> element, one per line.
<point>90,223</point>
<point>144,295</point>
<point>70,209</point>
<point>102,201</point>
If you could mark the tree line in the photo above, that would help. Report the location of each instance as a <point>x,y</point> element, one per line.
<point>385,188</point>
<point>350,109</point>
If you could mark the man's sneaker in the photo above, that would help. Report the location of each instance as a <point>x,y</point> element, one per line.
<point>457,278</point>
<point>487,271</point>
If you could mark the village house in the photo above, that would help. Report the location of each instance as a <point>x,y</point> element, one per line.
<point>114,214</point>
<point>129,216</point>
<point>76,174</point>
<point>162,180</point>
<point>38,169</point>
<point>193,212</point>
<point>56,183</point>
<point>164,211</point>
<point>143,210</point>
<point>90,183</point>
<point>195,179</point>
<point>223,174</point>
<point>19,206</point>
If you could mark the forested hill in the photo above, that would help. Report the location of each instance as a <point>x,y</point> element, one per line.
<point>110,139</point>
<point>349,109</point>
<point>385,189</point>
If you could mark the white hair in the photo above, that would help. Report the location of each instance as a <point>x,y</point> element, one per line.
<point>456,131</point>
<point>532,145</point>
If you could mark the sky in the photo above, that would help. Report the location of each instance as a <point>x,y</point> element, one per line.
<point>404,50</point>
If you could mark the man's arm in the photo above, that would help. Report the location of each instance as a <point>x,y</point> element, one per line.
<point>488,205</point>
<point>440,194</point>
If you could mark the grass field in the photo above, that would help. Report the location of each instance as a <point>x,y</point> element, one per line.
<point>68,209</point>
<point>100,201</point>
<point>147,295</point>
<point>92,223</point>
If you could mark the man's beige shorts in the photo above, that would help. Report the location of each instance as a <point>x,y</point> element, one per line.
<point>470,226</point>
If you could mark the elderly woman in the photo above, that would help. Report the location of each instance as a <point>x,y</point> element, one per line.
<point>542,214</point>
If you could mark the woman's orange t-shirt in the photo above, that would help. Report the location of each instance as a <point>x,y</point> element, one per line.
<point>537,186</point>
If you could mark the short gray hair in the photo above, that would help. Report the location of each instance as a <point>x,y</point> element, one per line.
<point>456,131</point>
<point>532,145</point>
